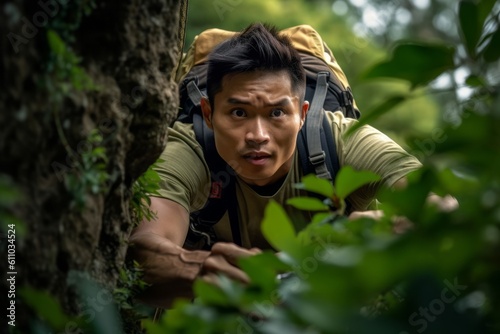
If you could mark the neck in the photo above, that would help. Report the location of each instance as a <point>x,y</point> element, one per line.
<point>269,189</point>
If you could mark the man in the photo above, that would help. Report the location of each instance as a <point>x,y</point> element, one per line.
<point>255,107</point>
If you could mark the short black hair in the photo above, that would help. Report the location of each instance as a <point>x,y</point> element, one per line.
<point>258,47</point>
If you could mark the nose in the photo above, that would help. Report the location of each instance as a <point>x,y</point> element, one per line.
<point>257,132</point>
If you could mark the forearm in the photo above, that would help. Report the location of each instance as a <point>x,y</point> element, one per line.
<point>168,268</point>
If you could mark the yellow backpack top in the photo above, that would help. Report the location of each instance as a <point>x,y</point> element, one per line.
<point>304,38</point>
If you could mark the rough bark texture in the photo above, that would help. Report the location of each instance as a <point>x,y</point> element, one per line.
<point>128,48</point>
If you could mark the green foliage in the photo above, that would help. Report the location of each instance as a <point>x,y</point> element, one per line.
<point>348,180</point>
<point>145,186</point>
<point>278,229</point>
<point>417,63</point>
<point>129,285</point>
<point>62,78</point>
<point>46,307</point>
<point>9,196</point>
<point>271,303</point>
<point>307,203</point>
<point>100,317</point>
<point>472,26</point>
<point>491,52</point>
<point>472,15</point>
<point>63,73</point>
<point>89,174</point>
<point>317,185</point>
<point>64,70</point>
<point>346,276</point>
<point>97,310</point>
<point>378,111</point>
<point>69,18</point>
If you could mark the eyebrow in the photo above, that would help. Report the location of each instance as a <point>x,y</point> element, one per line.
<point>283,102</point>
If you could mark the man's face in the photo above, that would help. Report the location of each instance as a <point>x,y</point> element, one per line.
<point>256,119</point>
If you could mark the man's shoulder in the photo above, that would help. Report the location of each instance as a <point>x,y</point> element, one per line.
<point>183,134</point>
<point>341,124</point>
<point>339,121</point>
<point>183,129</point>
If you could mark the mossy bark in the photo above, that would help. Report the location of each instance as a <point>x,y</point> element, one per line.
<point>129,49</point>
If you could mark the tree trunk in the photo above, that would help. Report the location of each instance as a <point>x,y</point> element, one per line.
<point>74,201</point>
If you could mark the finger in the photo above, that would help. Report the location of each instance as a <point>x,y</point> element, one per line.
<point>401,224</point>
<point>233,252</point>
<point>219,264</point>
<point>374,214</point>
<point>447,203</point>
<point>210,278</point>
<point>255,250</point>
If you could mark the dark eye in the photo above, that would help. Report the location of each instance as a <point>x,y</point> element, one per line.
<point>238,113</point>
<point>277,113</point>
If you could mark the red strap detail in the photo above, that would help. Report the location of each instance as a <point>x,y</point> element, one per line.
<point>216,190</point>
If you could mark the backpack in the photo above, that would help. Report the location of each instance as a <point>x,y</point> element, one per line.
<point>327,88</point>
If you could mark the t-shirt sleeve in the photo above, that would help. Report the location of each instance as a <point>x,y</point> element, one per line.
<point>184,175</point>
<point>369,149</point>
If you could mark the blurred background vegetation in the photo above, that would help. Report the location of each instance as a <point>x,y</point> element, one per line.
<point>360,33</point>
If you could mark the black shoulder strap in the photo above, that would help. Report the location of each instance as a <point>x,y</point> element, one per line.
<point>314,122</point>
<point>232,211</point>
<point>315,143</point>
<point>328,142</point>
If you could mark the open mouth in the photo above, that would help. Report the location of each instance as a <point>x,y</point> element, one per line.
<point>257,155</point>
<point>257,158</point>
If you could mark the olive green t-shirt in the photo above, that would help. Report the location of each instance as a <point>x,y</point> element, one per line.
<point>186,178</point>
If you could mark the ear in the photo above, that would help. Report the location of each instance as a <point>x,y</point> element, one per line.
<point>206,111</point>
<point>303,112</point>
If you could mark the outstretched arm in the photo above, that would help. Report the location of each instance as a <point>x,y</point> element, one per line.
<point>171,270</point>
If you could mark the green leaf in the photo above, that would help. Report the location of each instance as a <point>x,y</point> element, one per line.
<point>107,320</point>
<point>322,218</point>
<point>45,306</point>
<point>377,112</point>
<point>491,52</point>
<point>99,152</point>
<point>344,256</point>
<point>210,294</point>
<point>278,229</point>
<point>484,10</point>
<point>485,7</point>
<point>8,194</point>
<point>471,27</point>
<point>316,185</point>
<point>262,270</point>
<point>409,202</point>
<point>417,63</point>
<point>307,203</point>
<point>232,289</point>
<point>450,183</point>
<point>348,180</point>
<point>56,43</point>
<point>475,81</point>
